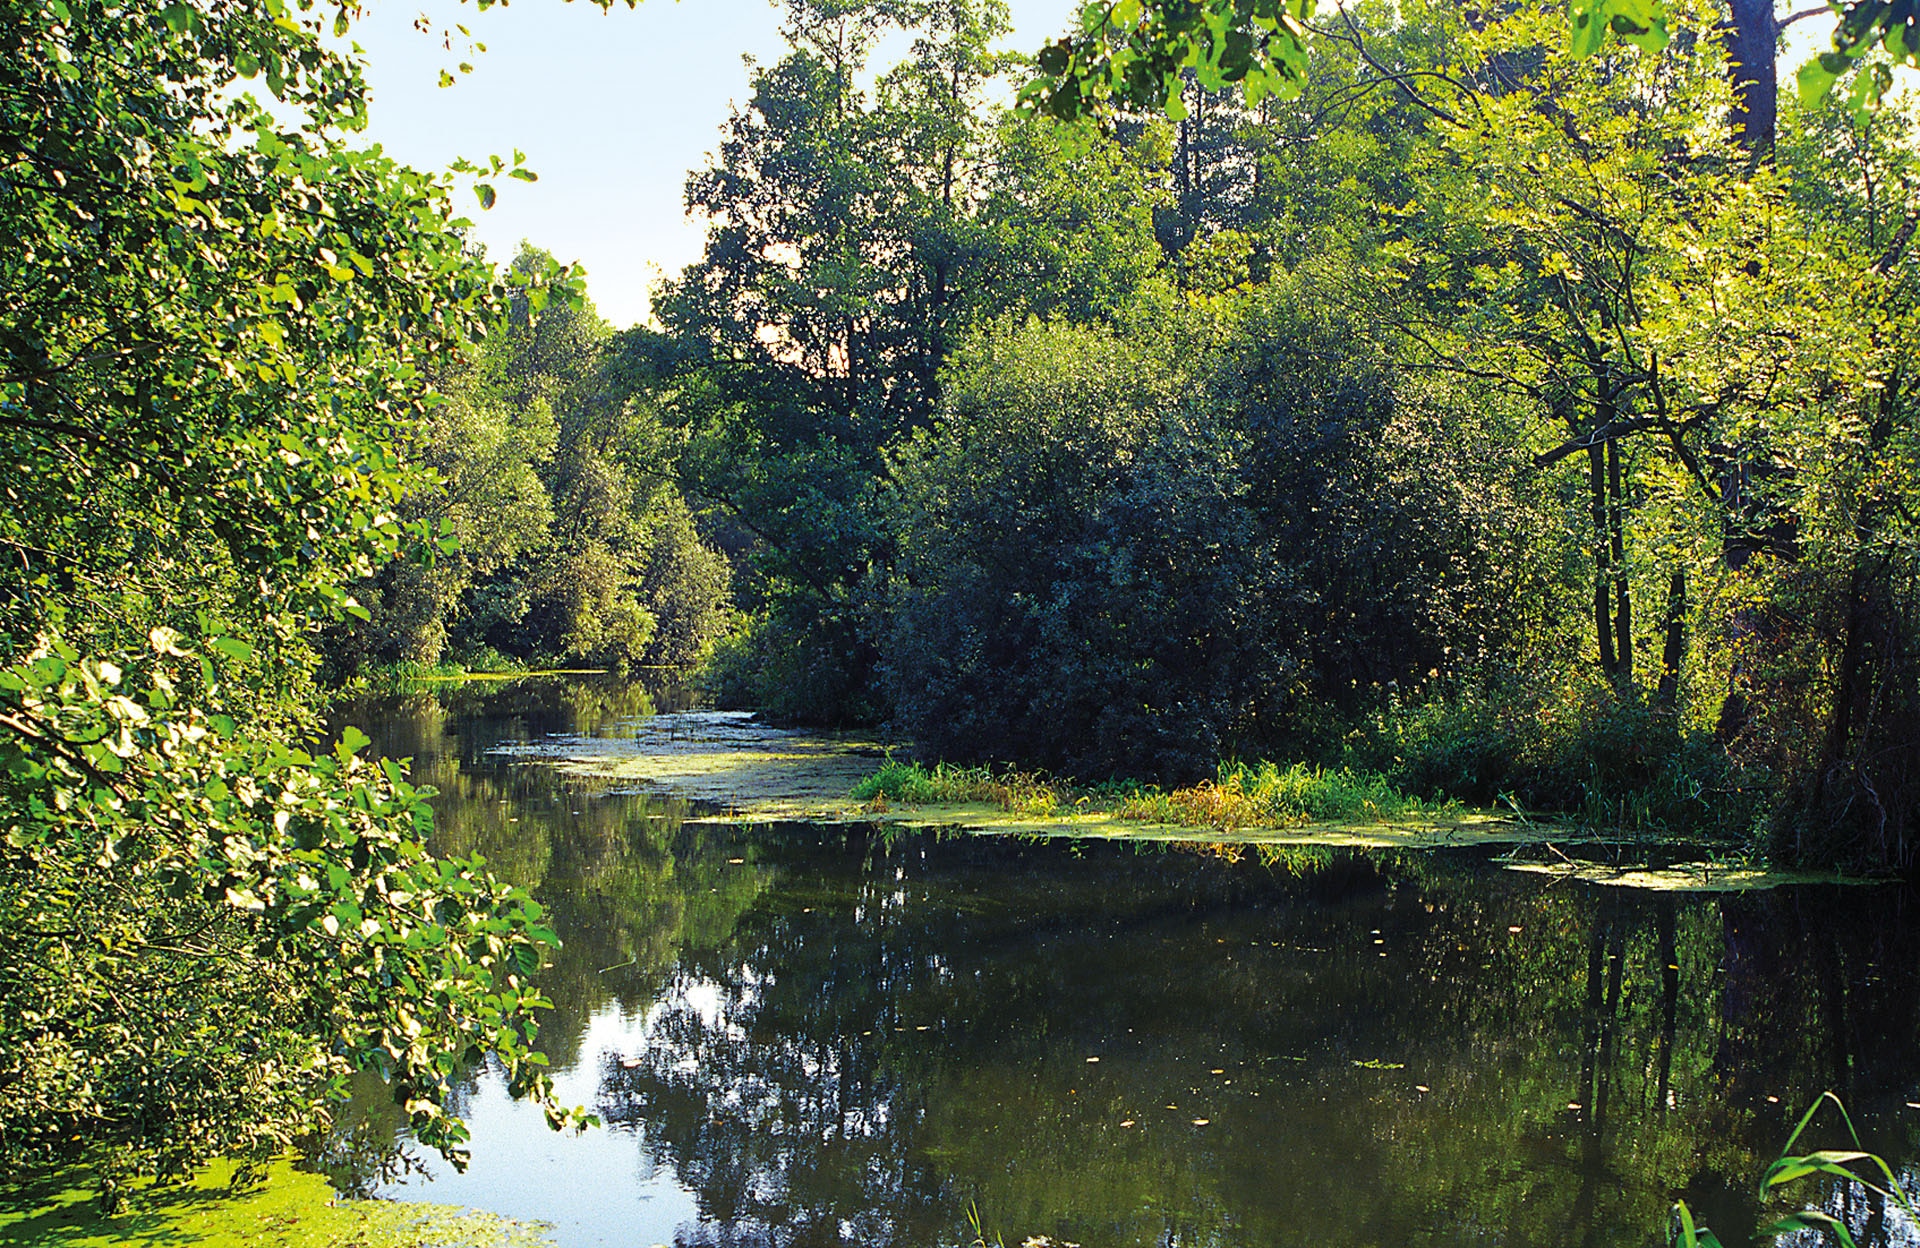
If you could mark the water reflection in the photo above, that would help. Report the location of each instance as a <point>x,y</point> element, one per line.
<point>804,1036</point>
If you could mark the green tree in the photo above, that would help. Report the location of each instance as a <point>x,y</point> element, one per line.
<point>574,544</point>
<point>811,331</point>
<point>1077,572</point>
<point>214,338</point>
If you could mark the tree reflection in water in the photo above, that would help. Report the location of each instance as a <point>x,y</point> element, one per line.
<point>851,1039</point>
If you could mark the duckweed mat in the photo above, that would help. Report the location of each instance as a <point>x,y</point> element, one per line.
<point>1681,877</point>
<point>288,1208</point>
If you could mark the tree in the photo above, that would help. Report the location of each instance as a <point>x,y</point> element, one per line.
<point>1133,53</point>
<point>213,338</point>
<point>840,262</point>
<point>1078,574</point>
<point>574,545</point>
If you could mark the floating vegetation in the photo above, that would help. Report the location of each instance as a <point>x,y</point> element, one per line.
<point>1683,877</point>
<point>1290,818</point>
<point>288,1208</point>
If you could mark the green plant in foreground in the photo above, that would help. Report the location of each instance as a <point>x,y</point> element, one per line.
<point>211,931</point>
<point>1790,1168</point>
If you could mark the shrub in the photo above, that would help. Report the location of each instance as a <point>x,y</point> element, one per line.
<point>1074,565</point>
<point>791,672</point>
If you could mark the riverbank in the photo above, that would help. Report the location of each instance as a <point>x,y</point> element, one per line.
<point>749,773</point>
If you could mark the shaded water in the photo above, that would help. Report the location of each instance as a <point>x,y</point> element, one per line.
<point>811,1036</point>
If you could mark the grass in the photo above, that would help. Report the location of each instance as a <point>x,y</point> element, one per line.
<point>1262,795</point>
<point>910,784</point>
<point>287,1209</point>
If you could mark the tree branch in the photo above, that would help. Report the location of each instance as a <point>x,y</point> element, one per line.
<point>1803,14</point>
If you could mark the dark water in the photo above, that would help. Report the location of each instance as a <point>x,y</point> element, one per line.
<point>806,1036</point>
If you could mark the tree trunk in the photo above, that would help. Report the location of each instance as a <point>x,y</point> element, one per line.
<point>1753,44</point>
<point>1617,538</point>
<point>1602,613</point>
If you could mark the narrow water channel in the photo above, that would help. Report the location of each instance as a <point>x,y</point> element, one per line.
<point>806,1036</point>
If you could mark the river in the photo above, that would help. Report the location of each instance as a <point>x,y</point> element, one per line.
<point>806,1036</point>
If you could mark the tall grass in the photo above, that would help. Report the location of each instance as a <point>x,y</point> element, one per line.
<point>1241,795</point>
<point>910,784</point>
<point>1576,750</point>
<point>1265,795</point>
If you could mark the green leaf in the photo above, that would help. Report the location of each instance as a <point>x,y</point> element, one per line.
<point>1586,26</point>
<point>1686,1234</point>
<point>1812,1220</point>
<point>352,741</point>
<point>485,194</point>
<point>232,647</point>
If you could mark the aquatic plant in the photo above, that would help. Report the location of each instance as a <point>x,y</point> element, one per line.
<point>1242,795</point>
<point>229,1206</point>
<point>1790,1168</point>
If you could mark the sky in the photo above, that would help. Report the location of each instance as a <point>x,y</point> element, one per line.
<point>612,109</point>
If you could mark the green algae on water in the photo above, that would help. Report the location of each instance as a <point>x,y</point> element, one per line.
<point>288,1208</point>
<point>1681,877</point>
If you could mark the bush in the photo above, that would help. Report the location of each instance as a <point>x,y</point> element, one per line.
<point>1406,529</point>
<point>1075,563</point>
<point>790,672</point>
<point>1570,747</point>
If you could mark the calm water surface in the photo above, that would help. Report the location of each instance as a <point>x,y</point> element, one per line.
<point>819,1036</point>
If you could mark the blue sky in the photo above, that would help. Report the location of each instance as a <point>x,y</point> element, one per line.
<point>611,108</point>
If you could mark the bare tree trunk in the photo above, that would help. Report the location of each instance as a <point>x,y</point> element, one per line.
<point>1617,538</point>
<point>1602,613</point>
<point>1753,43</point>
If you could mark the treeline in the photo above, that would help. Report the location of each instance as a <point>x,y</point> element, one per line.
<point>560,540</point>
<point>1535,428</point>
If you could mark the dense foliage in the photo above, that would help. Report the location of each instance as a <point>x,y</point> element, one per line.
<point>1527,421</point>
<point>212,351</point>
<point>1077,571</point>
<point>1519,418</point>
<point>574,546</point>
